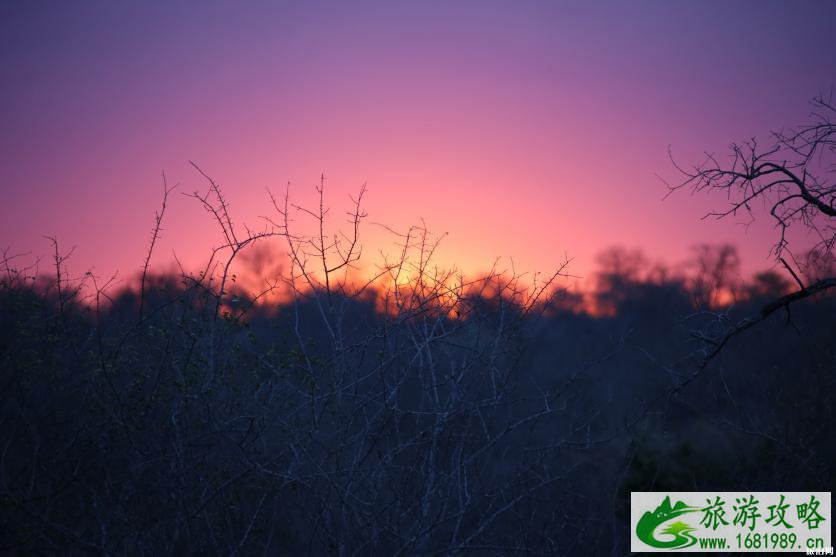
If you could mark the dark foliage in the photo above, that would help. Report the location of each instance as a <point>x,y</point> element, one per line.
<point>491,429</point>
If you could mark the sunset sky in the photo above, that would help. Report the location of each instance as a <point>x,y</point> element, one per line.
<point>524,130</point>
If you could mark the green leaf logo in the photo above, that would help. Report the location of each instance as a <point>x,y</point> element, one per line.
<point>681,531</point>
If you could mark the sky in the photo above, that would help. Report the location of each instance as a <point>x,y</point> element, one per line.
<point>524,130</point>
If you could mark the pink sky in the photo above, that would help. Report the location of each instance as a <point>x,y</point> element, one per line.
<point>523,130</point>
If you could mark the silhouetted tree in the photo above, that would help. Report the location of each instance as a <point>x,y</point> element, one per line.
<point>716,272</point>
<point>619,270</point>
<point>793,178</point>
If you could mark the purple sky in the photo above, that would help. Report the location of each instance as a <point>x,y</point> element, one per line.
<point>529,130</point>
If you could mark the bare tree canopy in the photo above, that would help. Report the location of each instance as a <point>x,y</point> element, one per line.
<point>792,178</point>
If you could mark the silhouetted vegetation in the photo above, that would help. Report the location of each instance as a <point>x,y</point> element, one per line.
<point>432,415</point>
<point>279,401</point>
<point>791,180</point>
